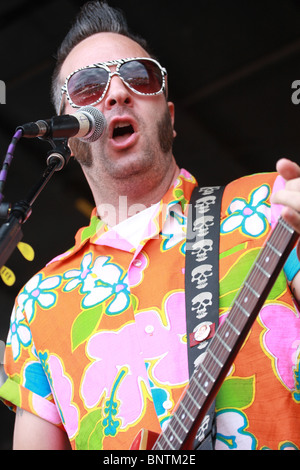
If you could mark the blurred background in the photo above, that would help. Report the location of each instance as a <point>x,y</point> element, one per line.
<point>231,65</point>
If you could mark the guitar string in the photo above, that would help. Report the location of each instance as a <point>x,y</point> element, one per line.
<point>231,335</point>
<point>256,273</point>
<point>247,297</point>
<point>239,322</point>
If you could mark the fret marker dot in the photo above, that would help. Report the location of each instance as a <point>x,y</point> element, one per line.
<point>182,416</point>
<point>246,300</point>
<point>199,375</point>
<point>171,438</point>
<point>206,384</point>
<point>227,334</point>
<point>267,259</point>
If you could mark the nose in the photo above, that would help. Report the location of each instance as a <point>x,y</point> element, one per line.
<point>117,93</point>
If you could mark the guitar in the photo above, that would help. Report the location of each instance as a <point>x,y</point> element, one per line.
<point>224,346</point>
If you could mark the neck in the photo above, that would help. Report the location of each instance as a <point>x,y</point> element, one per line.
<point>122,199</point>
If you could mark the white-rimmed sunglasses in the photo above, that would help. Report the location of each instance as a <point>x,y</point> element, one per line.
<point>88,85</point>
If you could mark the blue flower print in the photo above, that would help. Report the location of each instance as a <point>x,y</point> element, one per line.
<point>38,291</point>
<point>35,377</point>
<point>174,230</point>
<point>19,334</point>
<point>252,217</point>
<point>78,276</point>
<point>109,281</point>
<point>100,281</point>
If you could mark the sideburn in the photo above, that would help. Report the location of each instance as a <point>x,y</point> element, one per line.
<point>82,150</point>
<point>165,132</point>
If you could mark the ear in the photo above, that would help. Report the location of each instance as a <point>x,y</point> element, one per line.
<point>171,107</point>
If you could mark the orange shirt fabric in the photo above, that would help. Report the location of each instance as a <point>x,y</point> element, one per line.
<point>97,341</point>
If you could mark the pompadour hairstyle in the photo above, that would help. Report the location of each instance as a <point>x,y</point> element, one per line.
<point>94,17</point>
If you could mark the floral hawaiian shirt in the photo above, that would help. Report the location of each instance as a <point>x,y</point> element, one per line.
<point>97,341</point>
<point>258,405</point>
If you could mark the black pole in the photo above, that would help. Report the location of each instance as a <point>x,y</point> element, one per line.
<point>11,231</point>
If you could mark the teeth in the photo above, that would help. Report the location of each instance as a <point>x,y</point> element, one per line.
<point>122,129</point>
<point>122,124</point>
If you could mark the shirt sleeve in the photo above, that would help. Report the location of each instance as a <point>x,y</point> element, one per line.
<point>292,265</point>
<point>23,379</point>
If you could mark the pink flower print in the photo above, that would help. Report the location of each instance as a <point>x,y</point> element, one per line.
<point>63,392</point>
<point>138,265</point>
<point>112,352</point>
<point>276,209</point>
<point>156,338</point>
<point>163,337</point>
<point>281,340</point>
<point>186,175</point>
<point>45,409</point>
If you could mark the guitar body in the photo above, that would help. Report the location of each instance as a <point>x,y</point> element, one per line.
<point>145,440</point>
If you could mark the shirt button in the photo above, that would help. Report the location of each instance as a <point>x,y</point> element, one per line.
<point>149,329</point>
<point>137,263</point>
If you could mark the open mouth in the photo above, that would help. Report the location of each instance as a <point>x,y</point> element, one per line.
<point>122,132</point>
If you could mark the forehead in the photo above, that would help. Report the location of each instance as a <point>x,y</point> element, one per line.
<point>100,47</point>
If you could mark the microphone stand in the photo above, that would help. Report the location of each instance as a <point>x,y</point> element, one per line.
<point>11,231</point>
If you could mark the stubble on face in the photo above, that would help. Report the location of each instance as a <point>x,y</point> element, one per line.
<point>83,151</point>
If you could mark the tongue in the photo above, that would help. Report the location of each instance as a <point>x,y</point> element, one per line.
<point>122,138</point>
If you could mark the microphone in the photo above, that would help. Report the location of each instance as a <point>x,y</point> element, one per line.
<point>87,124</point>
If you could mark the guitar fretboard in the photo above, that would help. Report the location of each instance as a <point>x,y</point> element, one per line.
<point>209,374</point>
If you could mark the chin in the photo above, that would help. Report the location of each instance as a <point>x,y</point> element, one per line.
<point>126,167</point>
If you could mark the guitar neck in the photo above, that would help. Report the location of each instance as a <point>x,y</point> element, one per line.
<point>209,375</point>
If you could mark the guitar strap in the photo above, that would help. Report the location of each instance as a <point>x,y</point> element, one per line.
<point>202,287</point>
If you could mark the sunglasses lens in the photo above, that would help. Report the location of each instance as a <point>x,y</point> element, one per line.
<point>87,86</point>
<point>143,76</point>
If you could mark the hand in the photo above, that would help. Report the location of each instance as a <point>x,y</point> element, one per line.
<point>290,196</point>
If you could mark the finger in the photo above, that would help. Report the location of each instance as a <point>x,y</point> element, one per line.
<point>292,217</point>
<point>293,185</point>
<point>287,198</point>
<point>288,169</point>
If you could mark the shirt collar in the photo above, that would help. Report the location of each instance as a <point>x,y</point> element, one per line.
<point>133,233</point>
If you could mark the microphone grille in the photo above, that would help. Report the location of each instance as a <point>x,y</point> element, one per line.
<point>98,123</point>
